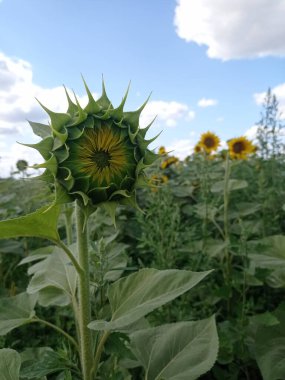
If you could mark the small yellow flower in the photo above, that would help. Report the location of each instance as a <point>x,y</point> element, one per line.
<point>164,164</point>
<point>169,161</point>
<point>164,178</point>
<point>209,141</point>
<point>240,148</point>
<point>161,150</point>
<point>197,148</point>
<point>156,181</point>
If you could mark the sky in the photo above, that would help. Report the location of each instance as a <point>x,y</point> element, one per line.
<point>207,65</point>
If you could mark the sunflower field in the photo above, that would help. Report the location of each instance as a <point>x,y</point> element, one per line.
<point>186,283</point>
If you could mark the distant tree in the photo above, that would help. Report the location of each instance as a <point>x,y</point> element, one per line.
<point>269,131</point>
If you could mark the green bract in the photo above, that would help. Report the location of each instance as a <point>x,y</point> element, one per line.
<point>96,154</point>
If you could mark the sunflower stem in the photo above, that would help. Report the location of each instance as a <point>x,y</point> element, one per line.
<point>227,254</point>
<point>84,310</point>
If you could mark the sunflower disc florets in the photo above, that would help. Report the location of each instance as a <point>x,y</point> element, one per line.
<point>96,154</point>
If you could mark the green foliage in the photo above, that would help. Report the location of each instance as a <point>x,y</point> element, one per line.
<point>269,344</point>
<point>16,311</point>
<point>221,214</point>
<point>41,223</point>
<point>136,295</point>
<point>177,351</point>
<point>10,362</point>
<point>53,277</point>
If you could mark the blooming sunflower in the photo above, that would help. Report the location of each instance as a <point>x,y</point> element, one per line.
<point>240,148</point>
<point>209,141</point>
<point>96,154</point>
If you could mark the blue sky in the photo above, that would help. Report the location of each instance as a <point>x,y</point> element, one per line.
<point>207,64</point>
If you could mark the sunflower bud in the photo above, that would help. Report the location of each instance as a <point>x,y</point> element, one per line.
<point>97,154</point>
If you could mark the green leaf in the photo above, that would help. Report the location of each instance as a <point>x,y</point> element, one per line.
<point>16,311</point>
<point>140,293</point>
<point>271,252</point>
<point>264,319</point>
<point>10,363</point>
<point>49,362</point>
<point>276,279</point>
<point>269,348</point>
<point>233,184</point>
<point>177,351</point>
<point>54,279</point>
<point>41,223</point>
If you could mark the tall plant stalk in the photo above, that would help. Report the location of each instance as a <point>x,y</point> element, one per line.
<point>84,309</point>
<point>227,255</point>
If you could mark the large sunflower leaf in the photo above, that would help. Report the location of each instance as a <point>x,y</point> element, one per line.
<point>10,363</point>
<point>41,223</point>
<point>16,311</point>
<point>140,293</point>
<point>177,351</point>
<point>54,279</point>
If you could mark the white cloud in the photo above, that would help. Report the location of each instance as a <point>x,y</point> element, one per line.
<point>207,102</point>
<point>251,132</point>
<point>233,29</point>
<point>279,92</point>
<point>181,148</point>
<point>168,113</point>
<point>18,104</point>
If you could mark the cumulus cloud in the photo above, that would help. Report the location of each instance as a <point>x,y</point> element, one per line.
<point>279,92</point>
<point>207,102</point>
<point>233,29</point>
<point>167,113</point>
<point>17,105</point>
<point>251,132</point>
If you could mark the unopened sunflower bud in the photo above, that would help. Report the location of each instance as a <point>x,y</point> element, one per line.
<point>97,154</point>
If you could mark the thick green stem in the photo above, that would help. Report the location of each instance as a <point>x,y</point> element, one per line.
<point>84,310</point>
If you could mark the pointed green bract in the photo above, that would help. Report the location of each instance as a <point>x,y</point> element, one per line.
<point>95,154</point>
